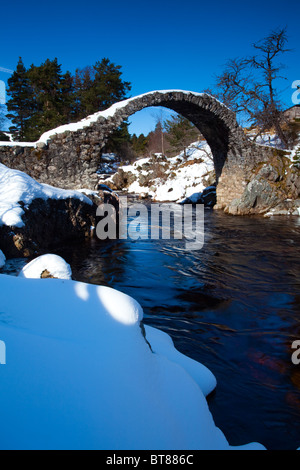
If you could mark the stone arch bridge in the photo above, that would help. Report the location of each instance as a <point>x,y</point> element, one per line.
<point>68,156</point>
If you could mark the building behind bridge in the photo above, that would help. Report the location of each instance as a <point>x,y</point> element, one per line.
<point>293,113</point>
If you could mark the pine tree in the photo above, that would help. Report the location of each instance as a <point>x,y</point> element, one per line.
<point>21,104</point>
<point>98,87</point>
<point>43,98</point>
<point>139,144</point>
<point>68,99</point>
<point>53,95</point>
<point>83,82</point>
<point>156,139</point>
<point>119,142</point>
<point>109,86</point>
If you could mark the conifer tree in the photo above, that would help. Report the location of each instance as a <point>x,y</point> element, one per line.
<point>43,97</point>
<point>21,104</point>
<point>53,95</point>
<point>98,87</point>
<point>109,86</point>
<point>139,144</point>
<point>119,142</point>
<point>83,81</point>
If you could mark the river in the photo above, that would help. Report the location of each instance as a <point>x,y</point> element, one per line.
<point>234,306</point>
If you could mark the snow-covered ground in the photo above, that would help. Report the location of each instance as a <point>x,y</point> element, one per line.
<point>16,187</point>
<point>267,138</point>
<point>79,373</point>
<point>182,176</point>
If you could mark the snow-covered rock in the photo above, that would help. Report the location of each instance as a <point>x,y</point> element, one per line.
<point>80,375</point>
<point>54,265</point>
<point>16,187</point>
<point>35,216</point>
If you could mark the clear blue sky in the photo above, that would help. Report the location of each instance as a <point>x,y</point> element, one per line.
<point>159,44</point>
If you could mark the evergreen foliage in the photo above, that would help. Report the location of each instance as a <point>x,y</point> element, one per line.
<point>120,143</point>
<point>21,106</point>
<point>43,97</point>
<point>98,87</point>
<point>52,97</point>
<point>140,144</point>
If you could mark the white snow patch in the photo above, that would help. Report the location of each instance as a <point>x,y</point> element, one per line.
<point>12,143</point>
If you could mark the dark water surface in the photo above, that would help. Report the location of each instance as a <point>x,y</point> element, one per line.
<point>233,306</point>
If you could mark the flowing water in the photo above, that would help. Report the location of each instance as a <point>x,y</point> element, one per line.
<point>234,306</point>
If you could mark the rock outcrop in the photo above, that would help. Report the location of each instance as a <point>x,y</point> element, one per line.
<point>208,197</point>
<point>274,189</point>
<point>50,223</point>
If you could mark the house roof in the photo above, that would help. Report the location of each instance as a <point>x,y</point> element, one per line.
<point>295,106</point>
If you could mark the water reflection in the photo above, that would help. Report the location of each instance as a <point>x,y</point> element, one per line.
<point>234,306</point>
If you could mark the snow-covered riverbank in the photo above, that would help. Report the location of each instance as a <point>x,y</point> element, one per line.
<point>79,373</point>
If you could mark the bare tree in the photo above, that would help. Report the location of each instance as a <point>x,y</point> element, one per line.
<point>180,133</point>
<point>247,85</point>
<point>269,48</point>
<point>159,118</point>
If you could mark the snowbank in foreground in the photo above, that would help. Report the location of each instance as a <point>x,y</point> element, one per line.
<point>80,375</point>
<point>16,186</point>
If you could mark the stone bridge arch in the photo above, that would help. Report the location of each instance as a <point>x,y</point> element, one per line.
<point>235,156</point>
<point>215,121</point>
<point>69,155</point>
